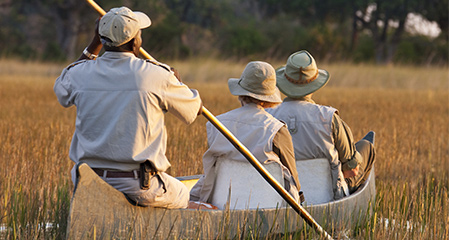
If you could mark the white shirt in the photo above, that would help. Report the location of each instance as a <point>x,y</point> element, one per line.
<point>121,101</point>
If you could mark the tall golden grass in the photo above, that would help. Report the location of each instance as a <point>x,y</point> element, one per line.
<point>407,107</point>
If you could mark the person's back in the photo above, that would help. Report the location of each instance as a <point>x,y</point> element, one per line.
<point>309,124</point>
<point>253,126</point>
<point>264,136</point>
<point>318,131</point>
<point>121,101</point>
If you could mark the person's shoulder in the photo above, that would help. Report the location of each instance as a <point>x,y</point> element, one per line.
<point>77,63</point>
<point>329,108</point>
<point>226,114</point>
<point>229,115</point>
<point>274,120</point>
<point>316,105</point>
<point>71,68</point>
<point>161,65</point>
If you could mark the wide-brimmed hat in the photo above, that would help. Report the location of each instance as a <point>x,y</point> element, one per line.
<point>120,25</point>
<point>258,80</point>
<point>300,76</point>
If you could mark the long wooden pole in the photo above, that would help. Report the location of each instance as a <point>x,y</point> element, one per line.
<point>248,155</point>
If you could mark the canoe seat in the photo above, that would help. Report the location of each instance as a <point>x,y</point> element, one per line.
<point>316,181</point>
<point>245,187</point>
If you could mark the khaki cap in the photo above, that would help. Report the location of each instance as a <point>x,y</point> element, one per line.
<point>120,25</point>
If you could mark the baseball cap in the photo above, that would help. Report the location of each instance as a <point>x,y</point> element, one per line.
<point>120,25</point>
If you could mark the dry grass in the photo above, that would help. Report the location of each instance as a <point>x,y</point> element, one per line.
<point>407,107</point>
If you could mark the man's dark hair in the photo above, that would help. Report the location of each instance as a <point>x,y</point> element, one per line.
<point>126,47</point>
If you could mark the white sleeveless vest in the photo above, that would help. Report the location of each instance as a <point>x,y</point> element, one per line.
<point>310,126</point>
<point>254,128</point>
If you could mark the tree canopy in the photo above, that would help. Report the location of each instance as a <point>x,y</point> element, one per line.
<point>333,30</point>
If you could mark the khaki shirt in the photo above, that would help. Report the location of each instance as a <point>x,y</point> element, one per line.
<point>344,142</point>
<point>121,101</point>
<point>282,146</point>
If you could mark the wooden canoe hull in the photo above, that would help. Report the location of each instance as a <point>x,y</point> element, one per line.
<point>99,211</point>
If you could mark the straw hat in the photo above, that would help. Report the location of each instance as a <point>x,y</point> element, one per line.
<point>258,80</point>
<point>300,76</point>
<point>120,25</point>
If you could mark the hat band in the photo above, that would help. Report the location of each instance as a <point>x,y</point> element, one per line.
<point>300,80</point>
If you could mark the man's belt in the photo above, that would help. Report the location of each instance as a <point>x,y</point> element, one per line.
<point>114,174</point>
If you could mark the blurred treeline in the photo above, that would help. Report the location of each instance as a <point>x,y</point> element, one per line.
<point>332,30</point>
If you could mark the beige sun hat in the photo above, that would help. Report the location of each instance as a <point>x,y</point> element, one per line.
<point>120,25</point>
<point>300,76</point>
<point>258,80</point>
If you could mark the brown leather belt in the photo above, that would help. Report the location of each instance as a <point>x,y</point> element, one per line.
<point>113,174</point>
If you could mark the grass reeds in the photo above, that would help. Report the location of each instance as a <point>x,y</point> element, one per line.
<point>407,107</point>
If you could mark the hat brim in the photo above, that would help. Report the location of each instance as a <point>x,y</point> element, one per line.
<point>144,20</point>
<point>300,90</point>
<point>237,90</point>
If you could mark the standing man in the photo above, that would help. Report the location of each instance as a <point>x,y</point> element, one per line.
<point>121,101</point>
<point>318,131</point>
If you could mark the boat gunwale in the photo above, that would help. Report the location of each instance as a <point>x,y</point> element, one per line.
<point>362,189</point>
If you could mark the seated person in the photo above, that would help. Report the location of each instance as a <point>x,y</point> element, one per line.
<point>256,90</point>
<point>318,131</point>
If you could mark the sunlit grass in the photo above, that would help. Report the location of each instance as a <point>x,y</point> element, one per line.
<point>407,107</point>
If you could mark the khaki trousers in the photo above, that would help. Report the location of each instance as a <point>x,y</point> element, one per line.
<point>366,149</point>
<point>165,191</point>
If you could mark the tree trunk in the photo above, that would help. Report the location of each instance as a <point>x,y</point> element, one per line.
<point>71,35</point>
<point>395,40</point>
<point>67,17</point>
<point>380,52</point>
<point>355,32</point>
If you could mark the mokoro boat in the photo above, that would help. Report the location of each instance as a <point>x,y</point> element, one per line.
<point>99,211</point>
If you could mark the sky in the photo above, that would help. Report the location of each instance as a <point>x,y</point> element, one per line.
<point>416,24</point>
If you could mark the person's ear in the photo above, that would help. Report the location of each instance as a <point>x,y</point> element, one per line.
<point>137,43</point>
<point>134,47</point>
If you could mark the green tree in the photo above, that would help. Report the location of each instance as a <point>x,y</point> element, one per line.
<point>364,30</point>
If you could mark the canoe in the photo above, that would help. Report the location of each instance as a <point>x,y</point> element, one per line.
<point>99,211</point>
